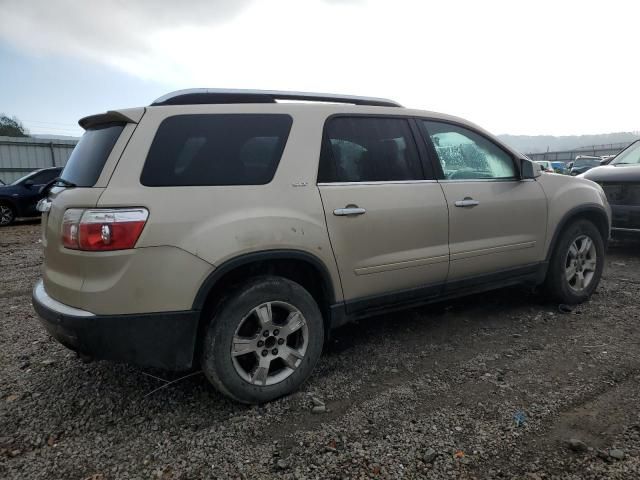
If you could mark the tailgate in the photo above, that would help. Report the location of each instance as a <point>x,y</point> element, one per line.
<point>90,167</point>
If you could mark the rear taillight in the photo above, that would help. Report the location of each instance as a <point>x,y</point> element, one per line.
<point>70,227</point>
<point>103,229</point>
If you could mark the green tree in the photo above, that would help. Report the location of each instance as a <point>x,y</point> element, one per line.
<point>12,127</point>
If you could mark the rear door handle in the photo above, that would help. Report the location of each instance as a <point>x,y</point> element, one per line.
<point>349,211</point>
<point>467,202</point>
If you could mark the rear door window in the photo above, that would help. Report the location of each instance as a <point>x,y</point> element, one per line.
<point>216,149</point>
<point>369,149</point>
<point>89,156</point>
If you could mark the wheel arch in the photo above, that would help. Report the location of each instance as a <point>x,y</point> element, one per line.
<point>298,266</point>
<point>593,212</point>
<point>9,202</point>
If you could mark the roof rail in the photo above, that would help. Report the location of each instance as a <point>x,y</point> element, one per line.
<point>196,96</point>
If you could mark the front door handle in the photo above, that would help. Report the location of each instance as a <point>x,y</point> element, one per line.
<point>467,202</point>
<point>349,211</point>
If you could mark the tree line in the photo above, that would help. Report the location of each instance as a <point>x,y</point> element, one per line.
<point>12,127</point>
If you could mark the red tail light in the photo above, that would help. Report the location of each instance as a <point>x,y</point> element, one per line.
<point>103,229</point>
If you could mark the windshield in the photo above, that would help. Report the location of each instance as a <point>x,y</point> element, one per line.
<point>22,179</point>
<point>630,156</point>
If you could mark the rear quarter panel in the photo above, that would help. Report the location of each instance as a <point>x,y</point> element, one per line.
<point>217,223</point>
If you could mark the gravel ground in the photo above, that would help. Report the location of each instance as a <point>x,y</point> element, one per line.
<point>499,385</point>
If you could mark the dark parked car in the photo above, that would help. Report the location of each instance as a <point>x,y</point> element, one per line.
<point>620,180</point>
<point>19,199</point>
<point>582,164</point>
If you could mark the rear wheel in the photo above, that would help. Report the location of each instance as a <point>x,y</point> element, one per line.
<point>576,264</point>
<point>7,214</point>
<point>263,341</point>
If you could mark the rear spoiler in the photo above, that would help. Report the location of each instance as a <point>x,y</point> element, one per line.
<point>128,115</point>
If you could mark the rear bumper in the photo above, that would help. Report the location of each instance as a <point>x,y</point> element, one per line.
<point>164,340</point>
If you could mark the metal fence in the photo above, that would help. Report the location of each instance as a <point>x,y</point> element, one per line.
<point>570,155</point>
<point>19,156</point>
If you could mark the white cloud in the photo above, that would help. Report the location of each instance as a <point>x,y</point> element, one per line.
<point>535,67</point>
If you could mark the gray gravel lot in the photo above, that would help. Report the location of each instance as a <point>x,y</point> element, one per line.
<point>498,385</point>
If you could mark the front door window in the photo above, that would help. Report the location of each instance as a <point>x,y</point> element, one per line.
<point>465,155</point>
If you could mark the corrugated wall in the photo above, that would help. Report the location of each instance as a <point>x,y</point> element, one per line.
<point>19,156</point>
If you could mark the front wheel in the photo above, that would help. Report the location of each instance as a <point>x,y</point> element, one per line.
<point>7,215</point>
<point>263,341</point>
<point>576,264</point>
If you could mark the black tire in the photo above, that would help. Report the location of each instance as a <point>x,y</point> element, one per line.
<point>557,286</point>
<point>217,360</point>
<point>7,214</point>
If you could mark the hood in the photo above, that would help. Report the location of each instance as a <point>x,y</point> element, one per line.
<point>612,173</point>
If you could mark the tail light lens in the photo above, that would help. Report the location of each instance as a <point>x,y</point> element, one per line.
<point>103,229</point>
<point>70,227</point>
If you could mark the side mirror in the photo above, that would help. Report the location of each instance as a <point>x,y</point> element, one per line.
<point>28,183</point>
<point>529,169</point>
<point>570,165</point>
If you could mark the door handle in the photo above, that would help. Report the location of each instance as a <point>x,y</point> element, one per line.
<point>349,211</point>
<point>467,202</point>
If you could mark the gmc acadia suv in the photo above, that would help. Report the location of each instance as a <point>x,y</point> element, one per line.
<point>225,230</point>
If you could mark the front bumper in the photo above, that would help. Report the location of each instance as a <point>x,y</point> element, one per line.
<point>164,340</point>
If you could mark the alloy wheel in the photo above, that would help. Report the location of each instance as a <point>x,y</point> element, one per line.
<point>6,215</point>
<point>270,343</point>
<point>581,263</point>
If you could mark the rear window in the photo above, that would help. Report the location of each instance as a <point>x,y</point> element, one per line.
<point>368,149</point>
<point>223,149</point>
<point>89,156</point>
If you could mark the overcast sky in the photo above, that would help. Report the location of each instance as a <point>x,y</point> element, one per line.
<point>522,67</point>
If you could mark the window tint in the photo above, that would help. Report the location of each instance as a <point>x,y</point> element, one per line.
<point>233,149</point>
<point>361,149</point>
<point>465,155</point>
<point>89,156</point>
<point>45,176</point>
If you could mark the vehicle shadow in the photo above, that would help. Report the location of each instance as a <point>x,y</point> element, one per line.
<point>487,308</point>
<point>27,221</point>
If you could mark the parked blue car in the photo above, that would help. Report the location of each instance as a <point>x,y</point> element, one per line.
<point>560,167</point>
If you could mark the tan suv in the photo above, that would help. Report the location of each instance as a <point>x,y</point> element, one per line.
<point>232,231</point>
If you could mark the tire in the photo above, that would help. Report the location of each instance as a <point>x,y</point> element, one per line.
<point>268,323</point>
<point>7,214</point>
<point>580,248</point>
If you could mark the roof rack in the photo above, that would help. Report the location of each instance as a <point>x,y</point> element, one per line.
<point>197,96</point>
